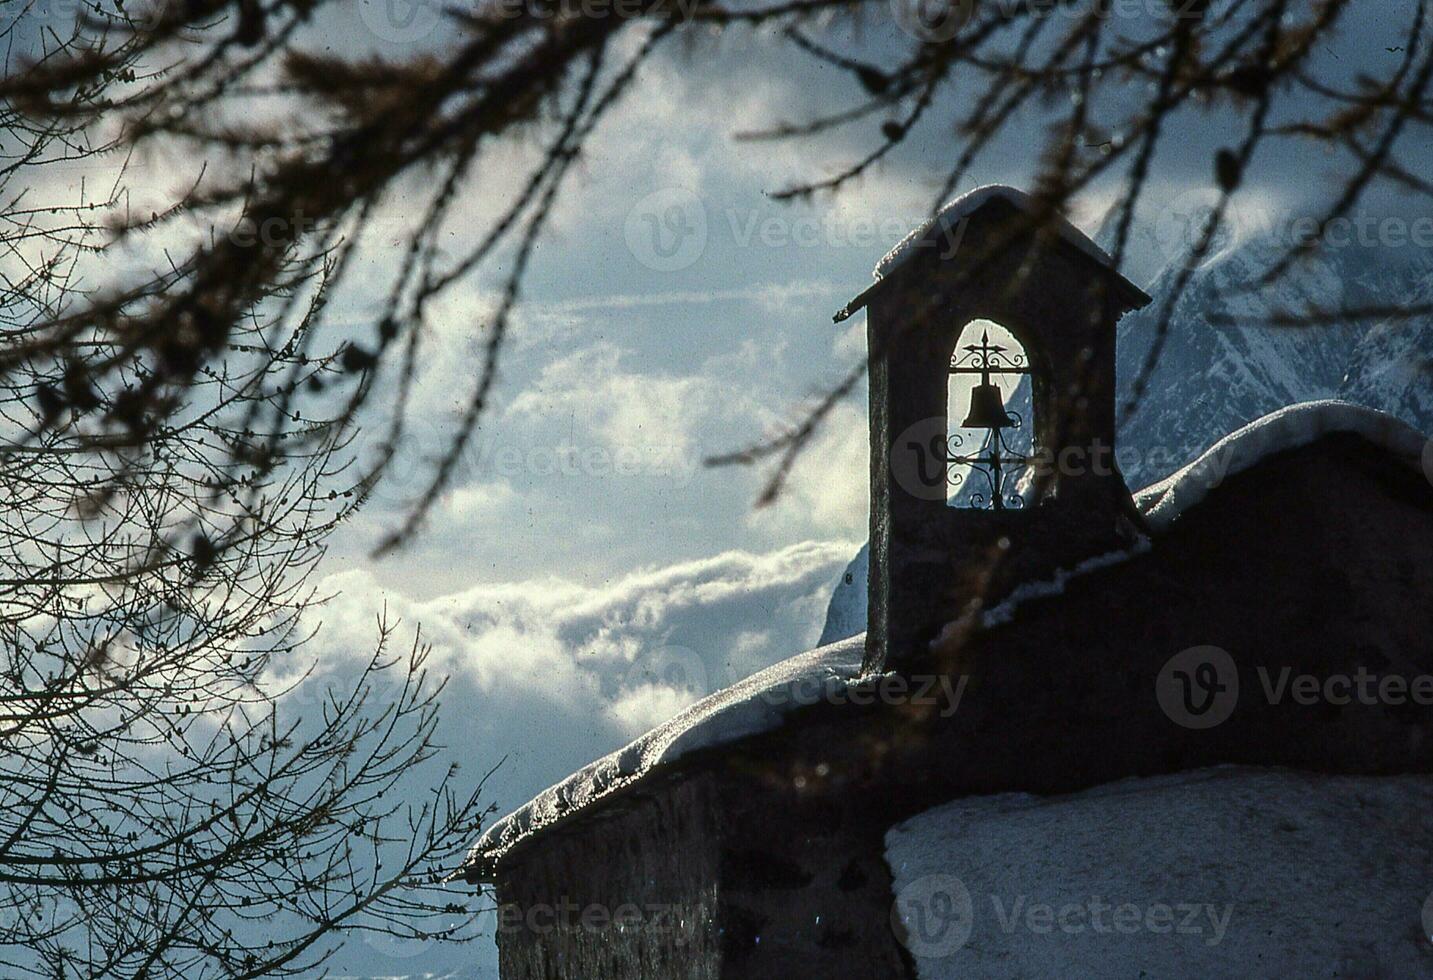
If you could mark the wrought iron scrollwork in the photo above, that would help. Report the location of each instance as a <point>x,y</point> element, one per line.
<point>987,358</point>
<point>996,460</point>
<point>999,464</point>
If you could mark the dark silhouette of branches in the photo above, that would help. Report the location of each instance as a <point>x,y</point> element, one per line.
<point>177,797</point>
<point>363,123</point>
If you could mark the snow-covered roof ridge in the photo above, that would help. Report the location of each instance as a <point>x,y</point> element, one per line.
<point>1289,428</point>
<point>967,204</point>
<point>756,704</point>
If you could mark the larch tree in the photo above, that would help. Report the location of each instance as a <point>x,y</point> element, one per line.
<point>177,799</point>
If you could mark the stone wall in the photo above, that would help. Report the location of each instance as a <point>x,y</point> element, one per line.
<point>629,895</point>
<point>805,891</point>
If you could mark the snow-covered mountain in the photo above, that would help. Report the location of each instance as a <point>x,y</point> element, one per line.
<point>1213,379</point>
<point>1392,366</point>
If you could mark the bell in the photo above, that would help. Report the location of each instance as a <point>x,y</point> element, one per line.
<point>987,409</point>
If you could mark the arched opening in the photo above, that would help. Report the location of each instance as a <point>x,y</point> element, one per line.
<point>990,419</point>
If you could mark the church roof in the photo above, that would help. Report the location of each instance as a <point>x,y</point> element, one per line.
<point>953,212</point>
<point>1288,428</point>
<point>756,704</point>
<point>934,231</point>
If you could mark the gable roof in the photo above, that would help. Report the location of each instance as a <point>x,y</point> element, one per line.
<point>953,212</point>
<point>964,207</point>
<point>1289,428</point>
<point>756,704</point>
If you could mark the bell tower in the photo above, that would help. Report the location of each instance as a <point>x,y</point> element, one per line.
<point>993,255</point>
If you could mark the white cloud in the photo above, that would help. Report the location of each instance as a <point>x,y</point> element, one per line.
<point>829,487</point>
<point>552,673</point>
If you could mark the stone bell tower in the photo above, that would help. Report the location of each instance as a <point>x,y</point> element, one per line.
<point>995,254</point>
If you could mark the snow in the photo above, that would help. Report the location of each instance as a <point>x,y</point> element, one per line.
<point>846,613</point>
<point>953,213</point>
<point>757,704</point>
<point>1289,428</point>
<point>1055,585</point>
<point>1225,872</point>
<point>1004,612</point>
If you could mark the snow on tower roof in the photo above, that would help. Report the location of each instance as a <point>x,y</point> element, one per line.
<point>757,704</point>
<point>967,204</point>
<point>937,232</point>
<point>1289,428</point>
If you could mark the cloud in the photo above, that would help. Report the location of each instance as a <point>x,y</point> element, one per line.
<point>552,674</point>
<point>616,405</point>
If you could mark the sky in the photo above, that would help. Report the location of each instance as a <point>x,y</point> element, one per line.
<point>587,576</point>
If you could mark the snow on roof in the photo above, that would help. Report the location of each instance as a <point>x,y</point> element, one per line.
<point>1221,872</point>
<point>1289,428</point>
<point>1055,585</point>
<point>757,704</point>
<point>967,204</point>
<point>1162,502</point>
